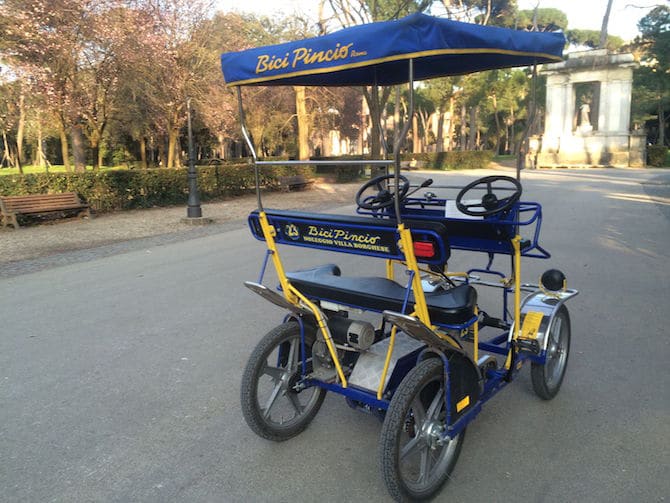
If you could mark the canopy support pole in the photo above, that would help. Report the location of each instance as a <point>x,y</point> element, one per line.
<point>400,140</point>
<point>250,144</point>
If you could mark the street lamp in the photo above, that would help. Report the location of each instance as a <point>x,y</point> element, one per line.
<point>194,209</point>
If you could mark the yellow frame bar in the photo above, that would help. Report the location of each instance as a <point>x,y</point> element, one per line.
<point>294,296</point>
<point>420,306</point>
<point>516,245</point>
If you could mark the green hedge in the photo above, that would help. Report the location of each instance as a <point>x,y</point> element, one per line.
<point>657,155</point>
<point>125,189</point>
<point>342,173</point>
<point>467,159</point>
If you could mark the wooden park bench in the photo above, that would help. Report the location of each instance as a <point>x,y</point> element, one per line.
<point>294,182</point>
<point>35,204</point>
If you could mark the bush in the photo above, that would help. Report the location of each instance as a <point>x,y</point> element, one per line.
<point>123,189</point>
<point>467,159</point>
<point>342,173</point>
<point>657,155</point>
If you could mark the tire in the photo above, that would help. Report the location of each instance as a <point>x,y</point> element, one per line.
<point>414,420</point>
<point>547,378</point>
<point>271,407</point>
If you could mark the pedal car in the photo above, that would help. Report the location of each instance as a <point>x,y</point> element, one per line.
<point>424,355</point>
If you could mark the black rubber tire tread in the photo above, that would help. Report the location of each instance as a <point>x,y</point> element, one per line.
<point>249,386</point>
<point>388,449</point>
<point>537,375</point>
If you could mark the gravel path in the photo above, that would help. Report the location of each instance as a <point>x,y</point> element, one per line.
<point>39,246</point>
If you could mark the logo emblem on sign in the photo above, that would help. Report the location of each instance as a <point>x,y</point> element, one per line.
<point>292,232</point>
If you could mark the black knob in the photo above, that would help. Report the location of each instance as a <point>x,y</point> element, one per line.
<point>553,280</point>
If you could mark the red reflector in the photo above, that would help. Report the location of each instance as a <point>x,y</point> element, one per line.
<point>424,249</point>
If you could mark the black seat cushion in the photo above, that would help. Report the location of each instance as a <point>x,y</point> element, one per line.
<point>446,307</point>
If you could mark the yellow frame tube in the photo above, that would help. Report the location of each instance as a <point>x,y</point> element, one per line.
<point>294,296</point>
<point>324,329</point>
<point>387,362</point>
<point>475,350</point>
<point>390,273</point>
<point>516,245</point>
<point>420,306</point>
<point>269,235</point>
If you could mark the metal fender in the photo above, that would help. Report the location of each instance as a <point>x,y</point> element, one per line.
<point>465,383</point>
<point>464,378</point>
<point>541,306</point>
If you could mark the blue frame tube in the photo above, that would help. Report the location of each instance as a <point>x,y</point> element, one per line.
<point>265,264</point>
<point>303,352</point>
<point>366,397</point>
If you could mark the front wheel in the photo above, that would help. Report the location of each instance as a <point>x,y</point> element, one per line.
<point>547,378</point>
<point>273,407</point>
<point>414,458</point>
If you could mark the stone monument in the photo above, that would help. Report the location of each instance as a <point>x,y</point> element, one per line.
<point>588,106</point>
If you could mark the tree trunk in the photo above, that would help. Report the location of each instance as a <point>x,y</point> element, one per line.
<point>439,141</point>
<point>6,156</point>
<point>20,128</point>
<point>451,126</point>
<point>464,114</point>
<point>222,146</point>
<point>97,157</point>
<point>100,157</point>
<point>603,29</point>
<point>416,141</point>
<point>472,141</point>
<point>497,119</point>
<point>63,145</point>
<point>173,136</point>
<point>78,150</point>
<point>303,122</point>
<point>376,104</point>
<point>661,121</point>
<point>40,151</point>
<point>513,131</point>
<point>143,152</point>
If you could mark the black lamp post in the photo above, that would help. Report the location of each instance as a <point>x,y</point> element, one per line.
<point>194,209</point>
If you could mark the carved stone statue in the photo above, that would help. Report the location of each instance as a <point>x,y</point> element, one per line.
<point>585,114</point>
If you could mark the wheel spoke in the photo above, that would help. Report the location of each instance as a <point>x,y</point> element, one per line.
<point>411,446</point>
<point>419,413</point>
<point>436,404</point>
<point>473,205</point>
<point>424,468</point>
<point>292,360</point>
<point>295,402</point>
<point>275,373</point>
<point>271,400</point>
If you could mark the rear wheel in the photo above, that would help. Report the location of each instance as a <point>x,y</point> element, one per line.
<point>273,407</point>
<point>415,461</point>
<point>547,378</point>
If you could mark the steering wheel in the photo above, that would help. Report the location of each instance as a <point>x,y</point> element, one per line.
<point>490,204</point>
<point>384,197</point>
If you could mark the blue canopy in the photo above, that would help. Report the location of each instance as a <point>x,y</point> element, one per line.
<point>377,53</point>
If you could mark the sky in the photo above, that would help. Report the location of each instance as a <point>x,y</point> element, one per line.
<point>583,14</point>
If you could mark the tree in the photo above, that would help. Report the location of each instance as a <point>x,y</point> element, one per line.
<point>484,12</point>
<point>352,12</point>
<point>602,43</point>
<point>542,19</point>
<point>592,39</point>
<point>652,81</point>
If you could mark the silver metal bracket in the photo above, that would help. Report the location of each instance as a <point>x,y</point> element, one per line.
<point>275,298</point>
